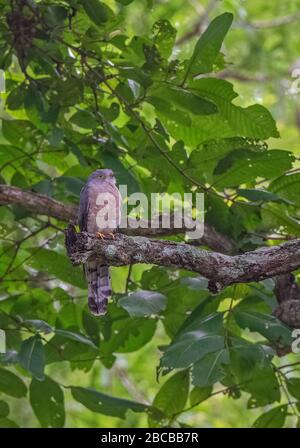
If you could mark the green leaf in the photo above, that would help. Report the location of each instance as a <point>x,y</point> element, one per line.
<point>208,46</point>
<point>274,418</point>
<point>39,325</point>
<point>287,187</point>
<point>69,92</point>
<point>263,387</point>
<point>182,99</point>
<point>47,401</point>
<point>58,265</point>
<point>31,356</point>
<point>60,348</point>
<point>269,326</point>
<point>243,166</point>
<point>125,334</point>
<point>257,195</point>
<point>105,404</point>
<point>7,423</point>
<point>254,121</point>
<point>170,399</point>
<point>84,119</point>
<point>277,216</point>
<point>199,394</point>
<point>210,368</point>
<point>97,11</point>
<point>244,358</point>
<point>75,337</point>
<point>144,303</point>
<point>164,37</point>
<point>4,409</point>
<point>15,99</point>
<point>293,385</point>
<point>19,132</point>
<point>91,326</point>
<point>11,384</point>
<point>194,342</point>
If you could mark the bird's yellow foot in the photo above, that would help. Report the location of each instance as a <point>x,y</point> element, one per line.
<point>105,235</point>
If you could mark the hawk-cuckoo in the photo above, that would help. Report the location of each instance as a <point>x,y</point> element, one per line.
<point>99,213</point>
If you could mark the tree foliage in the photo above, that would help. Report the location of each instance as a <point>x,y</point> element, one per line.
<point>84,91</point>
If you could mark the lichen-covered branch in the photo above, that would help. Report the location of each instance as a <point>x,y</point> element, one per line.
<point>37,203</point>
<point>287,292</point>
<point>221,270</point>
<point>43,205</point>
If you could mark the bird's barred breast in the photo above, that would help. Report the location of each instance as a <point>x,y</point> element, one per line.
<point>104,208</point>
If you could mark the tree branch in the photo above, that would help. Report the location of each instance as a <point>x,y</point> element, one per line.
<point>221,270</point>
<point>278,21</point>
<point>287,292</point>
<point>37,203</point>
<point>43,205</point>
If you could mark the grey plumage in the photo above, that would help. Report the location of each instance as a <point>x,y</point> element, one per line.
<point>97,274</point>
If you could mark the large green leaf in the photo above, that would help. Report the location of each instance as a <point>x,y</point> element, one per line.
<point>259,195</point>
<point>11,384</point>
<point>208,46</point>
<point>170,399</point>
<point>293,385</point>
<point>253,121</point>
<point>277,216</point>
<point>268,326</point>
<point>61,348</point>
<point>96,10</point>
<point>75,336</point>
<point>164,36</point>
<point>105,404</point>
<point>287,186</point>
<point>210,368</point>
<point>19,132</point>
<point>58,265</point>
<point>47,401</point>
<point>274,418</point>
<point>244,358</point>
<point>194,342</point>
<point>39,325</point>
<point>143,303</point>
<point>84,119</point>
<point>180,98</point>
<point>263,387</point>
<point>199,394</point>
<point>125,334</point>
<point>243,166</point>
<point>196,130</point>
<point>31,356</point>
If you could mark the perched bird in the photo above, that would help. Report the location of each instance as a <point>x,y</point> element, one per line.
<point>99,214</point>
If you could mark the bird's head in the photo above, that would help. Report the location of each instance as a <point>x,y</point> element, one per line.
<point>104,175</point>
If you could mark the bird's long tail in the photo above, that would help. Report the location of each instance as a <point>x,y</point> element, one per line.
<point>99,286</point>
